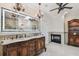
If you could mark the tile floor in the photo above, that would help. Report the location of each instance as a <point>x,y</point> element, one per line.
<point>54,49</point>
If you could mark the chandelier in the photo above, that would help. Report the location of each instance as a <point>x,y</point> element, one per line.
<point>19,7</point>
<point>39,14</point>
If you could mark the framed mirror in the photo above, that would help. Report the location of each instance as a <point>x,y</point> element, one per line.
<point>13,21</point>
<point>9,20</point>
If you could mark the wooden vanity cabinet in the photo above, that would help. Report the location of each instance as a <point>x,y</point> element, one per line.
<point>25,48</point>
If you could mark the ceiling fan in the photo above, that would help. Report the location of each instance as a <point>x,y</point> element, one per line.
<point>61,7</point>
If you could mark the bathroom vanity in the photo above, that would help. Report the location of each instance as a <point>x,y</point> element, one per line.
<point>23,46</point>
<point>15,39</point>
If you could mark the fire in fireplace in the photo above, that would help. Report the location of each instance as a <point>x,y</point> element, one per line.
<point>56,38</point>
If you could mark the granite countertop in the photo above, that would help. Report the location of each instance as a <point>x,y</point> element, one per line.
<point>9,41</point>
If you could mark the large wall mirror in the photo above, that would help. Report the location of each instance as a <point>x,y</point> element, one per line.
<point>13,21</point>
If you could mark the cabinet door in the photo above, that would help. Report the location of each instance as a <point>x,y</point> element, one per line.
<point>12,51</point>
<point>23,49</point>
<point>32,47</point>
<point>40,45</point>
<point>76,42</point>
<point>71,39</point>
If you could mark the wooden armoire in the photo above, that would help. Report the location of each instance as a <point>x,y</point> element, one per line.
<point>73,32</point>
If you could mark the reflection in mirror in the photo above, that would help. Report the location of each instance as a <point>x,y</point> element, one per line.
<point>35,24</point>
<point>10,20</point>
<point>24,23</point>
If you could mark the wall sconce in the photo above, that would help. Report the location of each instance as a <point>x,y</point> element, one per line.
<point>19,7</point>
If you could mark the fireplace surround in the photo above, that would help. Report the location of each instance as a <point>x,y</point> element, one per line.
<point>56,38</point>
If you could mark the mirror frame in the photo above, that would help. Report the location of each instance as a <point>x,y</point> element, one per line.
<point>3,29</point>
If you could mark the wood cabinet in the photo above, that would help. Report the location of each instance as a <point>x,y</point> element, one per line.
<point>73,32</point>
<point>26,48</point>
<point>40,44</point>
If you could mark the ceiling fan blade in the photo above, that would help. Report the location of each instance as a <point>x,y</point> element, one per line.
<point>65,4</point>
<point>68,7</point>
<point>59,11</point>
<point>59,4</point>
<point>54,9</point>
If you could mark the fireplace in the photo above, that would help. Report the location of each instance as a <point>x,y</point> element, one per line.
<point>56,38</point>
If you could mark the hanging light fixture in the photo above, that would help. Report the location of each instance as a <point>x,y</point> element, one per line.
<point>39,15</point>
<point>19,7</point>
